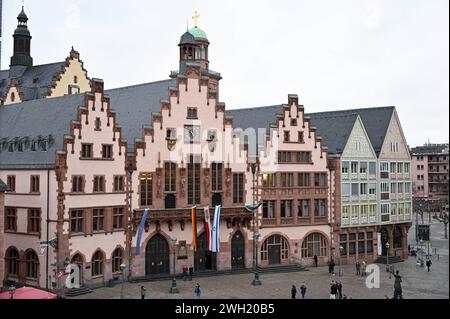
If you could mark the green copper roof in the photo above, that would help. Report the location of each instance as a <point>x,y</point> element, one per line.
<point>198,33</point>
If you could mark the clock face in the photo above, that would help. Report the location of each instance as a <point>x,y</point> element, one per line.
<point>192,134</point>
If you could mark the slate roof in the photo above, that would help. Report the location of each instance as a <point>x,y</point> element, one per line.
<point>134,106</point>
<point>49,120</point>
<point>34,81</point>
<point>334,127</point>
<point>39,120</point>
<point>434,149</point>
<point>3,187</point>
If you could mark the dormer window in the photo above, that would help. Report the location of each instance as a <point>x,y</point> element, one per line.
<point>74,89</point>
<point>34,146</point>
<point>13,97</point>
<point>44,146</point>
<point>192,113</point>
<point>11,147</point>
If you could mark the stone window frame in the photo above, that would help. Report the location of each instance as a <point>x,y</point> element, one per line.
<point>32,264</point>
<point>118,217</point>
<point>117,257</point>
<point>146,195</point>
<point>98,264</point>
<point>238,188</point>
<point>116,182</point>
<point>99,187</point>
<point>109,148</point>
<point>217,169</point>
<point>78,217</point>
<point>320,211</point>
<point>34,220</point>
<point>314,239</point>
<point>82,151</point>
<point>11,182</point>
<point>99,220</point>
<point>35,182</point>
<point>13,261</point>
<point>11,219</point>
<point>83,184</point>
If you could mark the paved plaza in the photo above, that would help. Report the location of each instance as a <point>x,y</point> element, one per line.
<point>417,282</point>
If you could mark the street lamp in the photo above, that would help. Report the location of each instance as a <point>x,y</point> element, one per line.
<point>387,260</point>
<point>256,281</point>
<point>341,250</point>
<point>174,288</point>
<point>12,290</point>
<point>122,267</point>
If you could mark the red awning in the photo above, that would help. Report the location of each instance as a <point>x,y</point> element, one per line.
<point>28,293</point>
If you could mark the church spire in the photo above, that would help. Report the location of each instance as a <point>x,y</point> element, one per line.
<point>22,42</point>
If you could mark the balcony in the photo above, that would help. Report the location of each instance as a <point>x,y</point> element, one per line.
<point>183,215</point>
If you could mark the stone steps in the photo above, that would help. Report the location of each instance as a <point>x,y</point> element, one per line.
<point>77,292</point>
<point>392,260</point>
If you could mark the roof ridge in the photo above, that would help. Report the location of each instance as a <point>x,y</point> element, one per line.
<point>136,85</point>
<point>35,66</point>
<point>355,110</point>
<point>257,107</point>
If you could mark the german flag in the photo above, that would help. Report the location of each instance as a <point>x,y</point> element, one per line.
<point>194,227</point>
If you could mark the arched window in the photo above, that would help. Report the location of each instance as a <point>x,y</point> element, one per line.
<point>77,260</point>
<point>12,261</point>
<point>314,244</point>
<point>32,261</point>
<point>117,258</point>
<point>275,241</point>
<point>97,264</point>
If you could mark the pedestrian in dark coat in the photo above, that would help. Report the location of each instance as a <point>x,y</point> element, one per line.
<point>339,288</point>
<point>428,263</point>
<point>142,292</point>
<point>316,260</point>
<point>303,291</point>
<point>293,292</point>
<point>333,290</point>
<point>358,268</point>
<point>397,286</point>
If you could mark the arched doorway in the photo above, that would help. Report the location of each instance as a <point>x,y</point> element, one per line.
<point>384,240</point>
<point>275,249</point>
<point>204,259</point>
<point>237,251</point>
<point>157,256</point>
<point>77,260</point>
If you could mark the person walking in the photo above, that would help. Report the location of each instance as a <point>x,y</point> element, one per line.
<point>303,290</point>
<point>428,263</point>
<point>293,292</point>
<point>339,289</point>
<point>397,285</point>
<point>363,268</point>
<point>333,290</point>
<point>142,292</point>
<point>358,267</point>
<point>316,261</point>
<point>197,292</point>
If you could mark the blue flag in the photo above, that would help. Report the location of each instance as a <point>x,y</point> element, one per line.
<point>140,231</point>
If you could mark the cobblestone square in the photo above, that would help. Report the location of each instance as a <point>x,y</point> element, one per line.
<point>417,282</point>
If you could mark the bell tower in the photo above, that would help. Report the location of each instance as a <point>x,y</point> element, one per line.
<point>194,47</point>
<point>22,43</point>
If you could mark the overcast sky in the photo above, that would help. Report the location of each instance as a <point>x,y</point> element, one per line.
<point>333,54</point>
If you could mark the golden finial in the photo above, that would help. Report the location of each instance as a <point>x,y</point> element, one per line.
<point>195,18</point>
